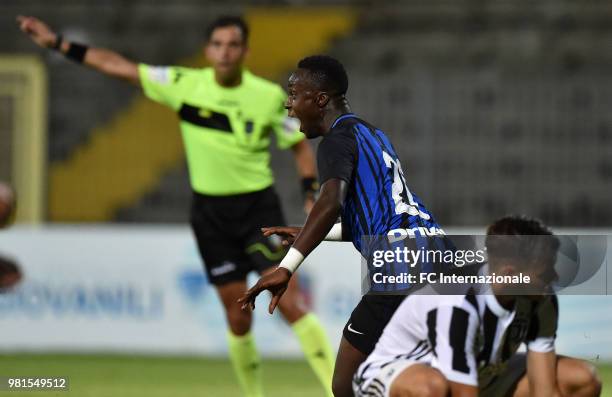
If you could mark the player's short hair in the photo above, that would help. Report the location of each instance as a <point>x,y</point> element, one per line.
<point>327,72</point>
<point>521,239</point>
<point>229,20</point>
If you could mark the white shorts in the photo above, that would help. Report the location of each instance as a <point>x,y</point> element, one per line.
<point>380,384</point>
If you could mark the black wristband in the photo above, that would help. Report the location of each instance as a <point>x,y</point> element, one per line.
<point>310,185</point>
<point>58,42</point>
<point>76,52</point>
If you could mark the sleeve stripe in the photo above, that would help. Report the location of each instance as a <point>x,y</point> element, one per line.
<point>217,121</point>
<point>470,297</point>
<point>431,329</point>
<point>457,337</point>
<point>490,329</point>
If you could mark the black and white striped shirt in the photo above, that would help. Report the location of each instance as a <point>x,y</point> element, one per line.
<point>469,338</point>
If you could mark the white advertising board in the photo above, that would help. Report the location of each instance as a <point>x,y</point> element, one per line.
<point>142,289</point>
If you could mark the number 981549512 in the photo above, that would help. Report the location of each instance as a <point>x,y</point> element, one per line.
<point>8,383</point>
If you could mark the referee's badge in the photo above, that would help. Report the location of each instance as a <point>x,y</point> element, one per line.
<point>205,113</point>
<point>159,74</point>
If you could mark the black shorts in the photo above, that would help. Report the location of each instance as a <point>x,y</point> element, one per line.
<point>369,319</point>
<point>228,232</point>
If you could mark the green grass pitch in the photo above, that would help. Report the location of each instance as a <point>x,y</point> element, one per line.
<point>128,376</point>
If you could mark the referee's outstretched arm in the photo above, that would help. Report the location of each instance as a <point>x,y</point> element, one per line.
<point>100,59</point>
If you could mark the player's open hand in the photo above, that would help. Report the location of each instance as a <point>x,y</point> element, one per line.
<point>276,282</point>
<point>38,31</point>
<point>287,233</point>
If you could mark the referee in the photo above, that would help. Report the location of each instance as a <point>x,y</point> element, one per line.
<point>226,117</point>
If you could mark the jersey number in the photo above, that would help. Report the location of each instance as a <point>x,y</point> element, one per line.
<point>410,208</point>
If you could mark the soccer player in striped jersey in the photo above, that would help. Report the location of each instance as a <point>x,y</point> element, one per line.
<point>466,345</point>
<point>361,180</point>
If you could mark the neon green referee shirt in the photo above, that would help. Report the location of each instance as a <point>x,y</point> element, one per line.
<point>226,131</point>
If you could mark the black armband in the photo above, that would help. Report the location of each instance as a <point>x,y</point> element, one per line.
<point>76,52</point>
<point>310,185</point>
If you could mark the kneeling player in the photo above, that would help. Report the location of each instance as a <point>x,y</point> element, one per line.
<point>466,345</point>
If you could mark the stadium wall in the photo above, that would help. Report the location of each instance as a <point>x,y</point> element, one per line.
<point>142,290</point>
<point>494,107</point>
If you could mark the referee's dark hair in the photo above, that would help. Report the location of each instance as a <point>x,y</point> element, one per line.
<point>229,20</point>
<point>519,237</point>
<point>327,72</point>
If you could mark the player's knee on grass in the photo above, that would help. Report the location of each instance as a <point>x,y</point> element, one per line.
<point>419,381</point>
<point>577,378</point>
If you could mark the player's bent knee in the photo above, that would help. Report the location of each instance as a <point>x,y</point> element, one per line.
<point>588,383</point>
<point>421,389</point>
<point>578,377</point>
<point>438,384</point>
<point>425,383</point>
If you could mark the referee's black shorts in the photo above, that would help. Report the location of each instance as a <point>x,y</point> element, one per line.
<point>369,319</point>
<point>227,231</point>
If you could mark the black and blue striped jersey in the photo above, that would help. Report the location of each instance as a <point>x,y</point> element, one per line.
<point>378,200</point>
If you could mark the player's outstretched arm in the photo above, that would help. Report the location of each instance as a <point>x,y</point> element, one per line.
<point>318,224</point>
<point>102,60</point>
